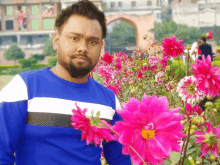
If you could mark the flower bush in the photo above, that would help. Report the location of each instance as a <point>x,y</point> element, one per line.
<point>147,89</point>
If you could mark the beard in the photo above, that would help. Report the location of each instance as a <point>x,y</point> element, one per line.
<point>76,72</point>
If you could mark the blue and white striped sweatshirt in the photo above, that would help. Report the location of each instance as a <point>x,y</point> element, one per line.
<point>35,121</point>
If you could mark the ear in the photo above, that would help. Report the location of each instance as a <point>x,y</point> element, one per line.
<point>102,43</point>
<point>56,40</point>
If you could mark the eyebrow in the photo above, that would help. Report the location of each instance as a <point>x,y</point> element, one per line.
<point>81,35</point>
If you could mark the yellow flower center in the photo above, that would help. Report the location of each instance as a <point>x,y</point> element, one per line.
<point>191,88</point>
<point>147,134</point>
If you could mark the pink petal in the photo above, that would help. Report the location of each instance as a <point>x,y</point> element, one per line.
<point>168,126</point>
<point>204,150</point>
<point>155,150</point>
<point>214,150</point>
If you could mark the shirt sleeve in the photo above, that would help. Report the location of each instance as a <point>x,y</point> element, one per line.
<point>13,110</point>
<point>199,51</point>
<point>113,150</point>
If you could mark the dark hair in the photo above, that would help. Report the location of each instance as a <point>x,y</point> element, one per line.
<point>203,38</point>
<point>82,8</point>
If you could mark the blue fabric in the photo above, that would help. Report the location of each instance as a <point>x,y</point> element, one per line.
<point>50,145</point>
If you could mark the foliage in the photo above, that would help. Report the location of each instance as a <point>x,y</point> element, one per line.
<point>14,53</point>
<point>170,28</point>
<point>27,63</point>
<point>216,34</point>
<point>123,34</point>
<point>52,61</point>
<point>48,48</point>
<point>13,71</point>
<point>38,57</point>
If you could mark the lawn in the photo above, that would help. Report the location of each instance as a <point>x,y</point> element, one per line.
<point>4,80</point>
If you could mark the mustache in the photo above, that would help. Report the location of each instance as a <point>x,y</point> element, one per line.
<point>79,55</point>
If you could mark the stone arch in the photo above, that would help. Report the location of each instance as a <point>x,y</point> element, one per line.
<point>131,22</point>
<point>142,24</point>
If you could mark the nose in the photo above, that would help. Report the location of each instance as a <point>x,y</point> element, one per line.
<point>83,49</point>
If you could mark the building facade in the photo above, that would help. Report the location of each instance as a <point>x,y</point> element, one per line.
<point>137,7</point>
<point>197,13</point>
<point>28,23</point>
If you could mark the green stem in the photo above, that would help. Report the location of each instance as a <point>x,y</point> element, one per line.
<point>129,146</point>
<point>187,142</point>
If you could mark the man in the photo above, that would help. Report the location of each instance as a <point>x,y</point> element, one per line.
<point>36,106</point>
<point>205,48</point>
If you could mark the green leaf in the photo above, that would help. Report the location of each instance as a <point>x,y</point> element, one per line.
<point>162,93</point>
<point>174,157</point>
<point>169,62</point>
<point>140,86</point>
<point>98,114</point>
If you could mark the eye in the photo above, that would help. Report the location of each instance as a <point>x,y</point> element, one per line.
<point>93,42</point>
<point>74,38</point>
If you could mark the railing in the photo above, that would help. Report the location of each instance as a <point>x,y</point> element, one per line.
<point>24,47</point>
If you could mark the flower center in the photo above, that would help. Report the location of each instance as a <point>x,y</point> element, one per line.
<point>210,139</point>
<point>191,88</point>
<point>148,132</point>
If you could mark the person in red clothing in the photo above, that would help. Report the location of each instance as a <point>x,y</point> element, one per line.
<point>199,51</point>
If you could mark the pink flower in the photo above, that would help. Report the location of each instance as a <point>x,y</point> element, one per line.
<point>143,68</point>
<point>172,47</point>
<point>91,133</point>
<point>208,77</point>
<point>209,36</point>
<point>208,140</point>
<point>153,60</point>
<point>114,88</point>
<point>187,89</point>
<point>169,87</point>
<point>150,128</point>
<point>163,62</point>
<point>118,66</point>
<point>140,74</point>
<point>159,77</point>
<point>152,68</point>
<point>107,58</point>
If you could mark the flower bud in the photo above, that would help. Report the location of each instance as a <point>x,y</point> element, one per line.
<point>194,127</point>
<point>198,121</point>
<point>208,104</point>
<point>168,68</point>
<point>132,91</point>
<point>193,121</point>
<point>192,131</point>
<point>197,162</point>
<point>131,82</point>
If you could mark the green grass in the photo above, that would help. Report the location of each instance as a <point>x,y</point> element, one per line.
<point>4,80</point>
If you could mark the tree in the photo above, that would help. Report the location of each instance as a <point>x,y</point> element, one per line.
<point>14,53</point>
<point>37,57</point>
<point>216,34</point>
<point>48,48</point>
<point>123,34</point>
<point>170,28</point>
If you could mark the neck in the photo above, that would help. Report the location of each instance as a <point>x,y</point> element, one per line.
<point>64,74</point>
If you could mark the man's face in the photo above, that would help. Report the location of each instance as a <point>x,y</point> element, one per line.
<point>79,45</point>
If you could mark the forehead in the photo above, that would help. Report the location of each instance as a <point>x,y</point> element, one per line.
<point>83,25</point>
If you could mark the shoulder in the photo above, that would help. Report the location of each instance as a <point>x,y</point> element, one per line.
<point>102,87</point>
<point>107,93</point>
